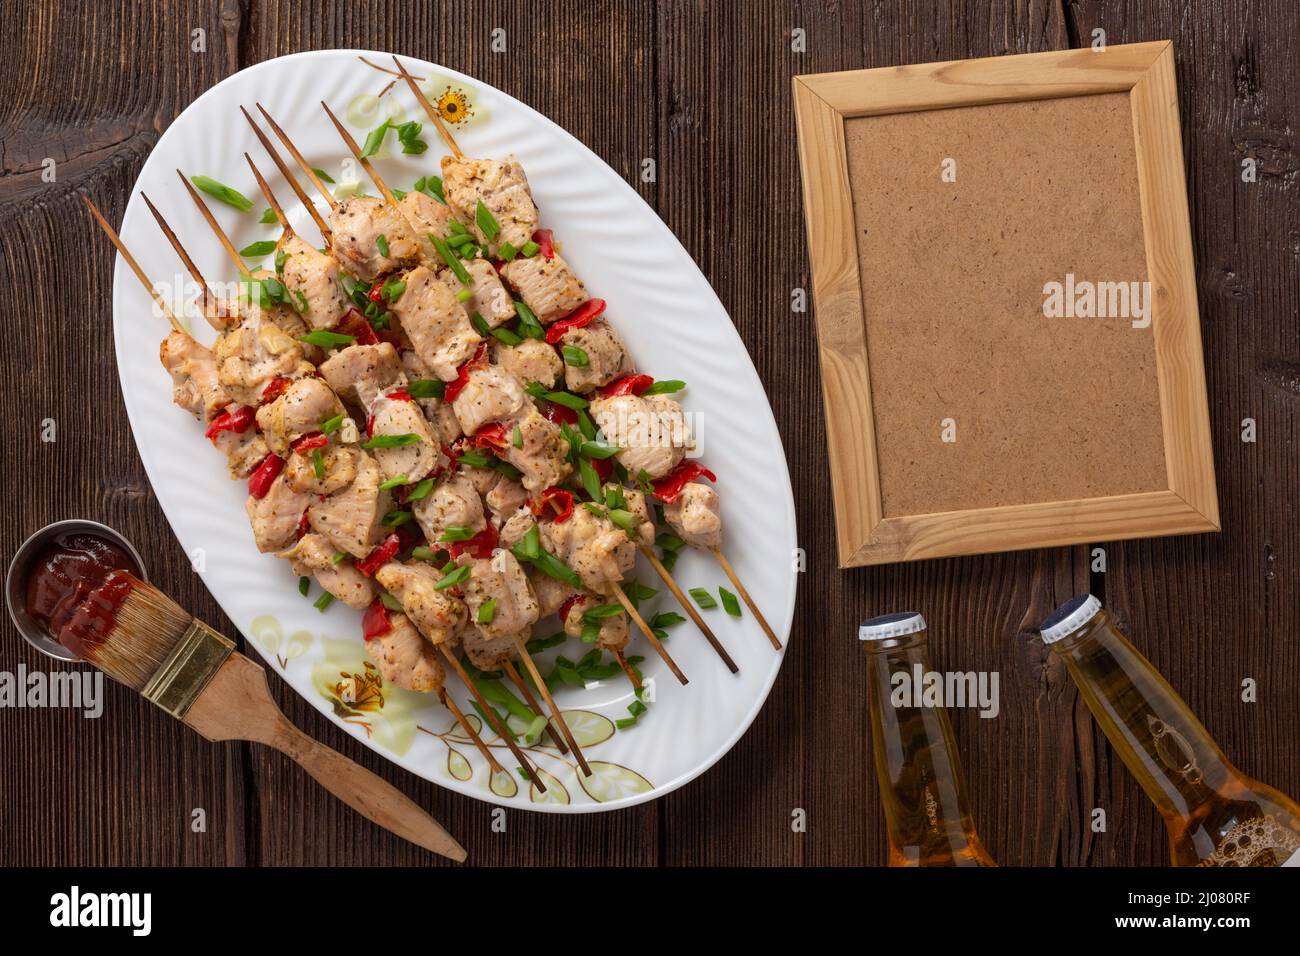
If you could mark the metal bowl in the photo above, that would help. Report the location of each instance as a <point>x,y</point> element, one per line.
<point>16,579</point>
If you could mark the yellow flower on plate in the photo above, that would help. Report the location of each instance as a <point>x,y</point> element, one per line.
<point>357,692</point>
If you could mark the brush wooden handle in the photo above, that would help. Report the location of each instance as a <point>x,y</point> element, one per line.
<point>237,705</point>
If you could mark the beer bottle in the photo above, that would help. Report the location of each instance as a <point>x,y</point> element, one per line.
<point>921,786</point>
<point>1215,814</point>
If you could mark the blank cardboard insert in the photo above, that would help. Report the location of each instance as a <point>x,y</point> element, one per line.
<point>953,273</point>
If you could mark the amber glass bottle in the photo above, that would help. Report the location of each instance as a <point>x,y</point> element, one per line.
<point>921,785</point>
<point>1215,814</point>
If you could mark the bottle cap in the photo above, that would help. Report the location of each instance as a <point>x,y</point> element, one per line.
<point>890,625</point>
<point>1068,618</point>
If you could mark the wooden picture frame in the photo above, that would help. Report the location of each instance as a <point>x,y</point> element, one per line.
<point>1145,73</point>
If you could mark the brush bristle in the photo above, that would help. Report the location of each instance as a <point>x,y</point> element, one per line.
<point>148,625</point>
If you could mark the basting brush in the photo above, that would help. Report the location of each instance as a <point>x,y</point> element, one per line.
<point>140,637</point>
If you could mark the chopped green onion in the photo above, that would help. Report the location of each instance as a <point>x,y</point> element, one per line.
<point>729,602</point>
<point>464,295</point>
<point>454,578</point>
<point>331,425</point>
<point>392,289</point>
<point>318,463</point>
<point>529,547</point>
<point>586,425</point>
<point>666,387</point>
<point>590,480</point>
<point>475,459</point>
<point>506,337</point>
<point>539,644</point>
<point>568,400</point>
<point>506,251</point>
<point>550,565</point>
<point>528,249</point>
<point>304,585</point>
<point>486,611</point>
<point>602,611</point>
<point>665,619</point>
<point>598,449</point>
<point>269,217</point>
<point>423,553</point>
<point>222,192</point>
<point>421,490</point>
<point>453,263</point>
<point>426,388</point>
<point>256,250</point>
<point>326,339</point>
<point>390,602</point>
<point>280,258</point>
<point>374,140</point>
<point>393,482</point>
<point>391,441</point>
<point>669,542</point>
<point>338,557</point>
<point>529,326</point>
<point>486,222</point>
<point>625,520</point>
<point>381,243</point>
<point>703,598</point>
<point>455,532</point>
<point>408,134</point>
<point>457,228</point>
<point>517,438</point>
<point>395,519</point>
<point>322,175</point>
<point>479,323</point>
<point>324,601</point>
<point>575,356</point>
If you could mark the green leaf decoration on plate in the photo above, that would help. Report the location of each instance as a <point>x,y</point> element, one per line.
<point>265,632</point>
<point>457,733</point>
<point>457,765</point>
<point>505,785</point>
<point>299,643</point>
<point>610,781</point>
<point>588,728</point>
<point>555,791</point>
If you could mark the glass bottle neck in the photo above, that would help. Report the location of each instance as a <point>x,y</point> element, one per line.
<point>921,785</point>
<point>1159,739</point>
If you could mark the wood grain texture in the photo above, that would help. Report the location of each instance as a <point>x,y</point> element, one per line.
<point>705,92</point>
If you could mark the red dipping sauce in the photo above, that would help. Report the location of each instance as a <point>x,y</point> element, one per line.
<point>75,586</point>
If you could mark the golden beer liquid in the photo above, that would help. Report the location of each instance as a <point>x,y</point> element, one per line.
<point>1215,815</point>
<point>921,785</point>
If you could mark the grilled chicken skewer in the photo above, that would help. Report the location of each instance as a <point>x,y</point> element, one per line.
<point>402,630</point>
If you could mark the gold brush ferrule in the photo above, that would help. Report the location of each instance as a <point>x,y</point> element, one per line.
<point>194,661</point>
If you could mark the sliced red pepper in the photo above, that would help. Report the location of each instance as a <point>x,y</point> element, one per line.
<point>627,385</point>
<point>493,436</point>
<point>236,419</point>
<point>400,395</point>
<point>579,318</point>
<point>309,441</point>
<point>380,556</point>
<point>375,622</point>
<point>275,388</point>
<point>556,502</point>
<point>259,482</point>
<point>370,426</point>
<point>376,292</point>
<point>304,524</point>
<point>545,239</point>
<point>667,489</point>
<point>356,325</point>
<point>480,546</point>
<point>462,372</point>
<point>559,414</point>
<point>603,467</point>
<point>499,265</point>
<point>567,606</point>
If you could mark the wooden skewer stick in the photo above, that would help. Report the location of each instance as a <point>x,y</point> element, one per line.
<point>649,634</point>
<point>382,69</point>
<point>175,241</point>
<point>356,151</point>
<point>556,714</point>
<point>518,680</point>
<point>627,669</point>
<point>469,729</point>
<point>744,596</point>
<point>270,197</point>
<point>298,158</point>
<point>502,731</point>
<point>431,110</point>
<point>688,607</point>
<point>215,226</point>
<point>290,178</point>
<point>135,266</point>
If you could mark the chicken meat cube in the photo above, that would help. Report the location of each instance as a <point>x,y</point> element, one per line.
<point>405,658</point>
<point>491,394</point>
<point>359,373</point>
<point>436,323</point>
<point>500,579</point>
<point>532,360</point>
<point>651,433</point>
<point>397,416</point>
<point>634,502</point>
<point>505,497</point>
<point>489,653</point>
<point>352,519</point>
<point>696,516</point>
<point>439,615</point>
<point>364,227</point>
<point>196,384</point>
<point>313,557</point>
<point>312,278</point>
<point>501,186</point>
<point>439,413</point>
<point>276,515</point>
<point>551,594</point>
<point>612,631</point>
<point>607,356</point>
<point>543,454</point>
<point>219,311</point>
<point>490,299</point>
<point>305,404</point>
<point>426,216</point>
<point>244,451</point>
<point>453,503</point>
<point>515,526</point>
<point>599,551</point>
<point>338,467</point>
<point>547,286</point>
<point>250,356</point>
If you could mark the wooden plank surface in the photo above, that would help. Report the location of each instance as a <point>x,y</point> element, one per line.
<point>704,90</point>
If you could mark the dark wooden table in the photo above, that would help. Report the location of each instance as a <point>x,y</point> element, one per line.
<point>704,89</point>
